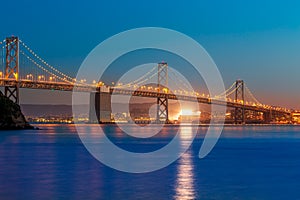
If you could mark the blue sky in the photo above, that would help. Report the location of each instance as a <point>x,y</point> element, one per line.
<point>258,41</point>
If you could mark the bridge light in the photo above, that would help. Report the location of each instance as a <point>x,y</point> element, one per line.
<point>41,77</point>
<point>29,77</point>
<point>1,74</point>
<point>16,75</point>
<point>100,83</point>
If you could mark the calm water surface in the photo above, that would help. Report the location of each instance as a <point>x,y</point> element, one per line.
<point>256,162</point>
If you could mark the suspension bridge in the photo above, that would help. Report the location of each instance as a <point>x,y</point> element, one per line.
<point>21,67</point>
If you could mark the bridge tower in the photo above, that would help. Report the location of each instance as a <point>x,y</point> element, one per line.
<point>12,68</point>
<point>239,113</point>
<point>162,100</point>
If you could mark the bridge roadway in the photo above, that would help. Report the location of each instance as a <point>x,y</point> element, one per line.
<point>203,100</point>
<point>81,87</point>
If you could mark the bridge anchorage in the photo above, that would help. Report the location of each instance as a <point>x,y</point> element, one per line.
<point>21,67</point>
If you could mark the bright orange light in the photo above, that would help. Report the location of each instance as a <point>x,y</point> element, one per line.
<point>16,75</point>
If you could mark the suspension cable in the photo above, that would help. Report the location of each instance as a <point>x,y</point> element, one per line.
<point>251,95</point>
<point>44,69</point>
<point>44,62</point>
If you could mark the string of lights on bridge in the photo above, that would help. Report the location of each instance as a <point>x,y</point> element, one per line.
<point>33,68</point>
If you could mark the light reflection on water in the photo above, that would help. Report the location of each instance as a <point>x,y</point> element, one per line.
<point>184,186</point>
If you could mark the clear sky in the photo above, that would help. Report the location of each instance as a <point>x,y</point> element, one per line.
<point>257,41</point>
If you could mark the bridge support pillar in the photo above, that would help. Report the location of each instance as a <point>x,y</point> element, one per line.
<point>100,107</point>
<point>12,68</point>
<point>267,117</point>
<point>162,114</point>
<point>239,113</point>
